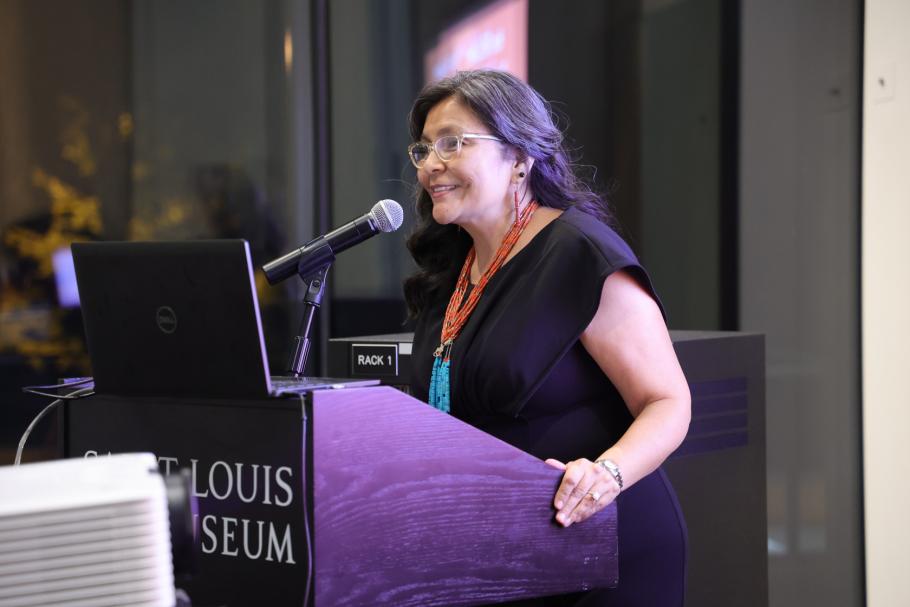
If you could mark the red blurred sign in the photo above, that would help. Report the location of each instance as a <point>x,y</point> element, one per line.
<point>493,37</point>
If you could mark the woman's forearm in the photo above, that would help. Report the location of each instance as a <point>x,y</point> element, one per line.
<point>653,436</point>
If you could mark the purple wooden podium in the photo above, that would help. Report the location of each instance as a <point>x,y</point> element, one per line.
<point>409,506</point>
<point>415,508</point>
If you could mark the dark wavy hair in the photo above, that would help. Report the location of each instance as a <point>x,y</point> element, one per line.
<point>520,117</point>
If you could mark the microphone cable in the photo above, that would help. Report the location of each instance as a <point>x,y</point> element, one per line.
<point>39,390</point>
<point>42,390</point>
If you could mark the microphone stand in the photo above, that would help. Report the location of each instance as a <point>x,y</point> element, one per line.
<point>315,288</point>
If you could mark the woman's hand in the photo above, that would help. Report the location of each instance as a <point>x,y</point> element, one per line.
<point>586,489</point>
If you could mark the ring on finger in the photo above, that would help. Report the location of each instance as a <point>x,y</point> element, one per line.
<point>594,495</point>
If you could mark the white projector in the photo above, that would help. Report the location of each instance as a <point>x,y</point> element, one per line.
<point>85,533</point>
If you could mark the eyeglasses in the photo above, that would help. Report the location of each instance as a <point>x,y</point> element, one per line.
<point>446,147</point>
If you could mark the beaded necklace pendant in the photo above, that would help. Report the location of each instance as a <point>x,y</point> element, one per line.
<point>440,390</point>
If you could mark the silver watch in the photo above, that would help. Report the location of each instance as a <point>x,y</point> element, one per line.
<point>610,466</point>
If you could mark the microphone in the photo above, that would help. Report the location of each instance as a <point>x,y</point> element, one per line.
<point>385,216</point>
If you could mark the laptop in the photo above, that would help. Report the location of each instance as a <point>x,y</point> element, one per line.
<point>178,319</point>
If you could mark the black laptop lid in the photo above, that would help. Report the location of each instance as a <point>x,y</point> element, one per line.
<point>172,318</point>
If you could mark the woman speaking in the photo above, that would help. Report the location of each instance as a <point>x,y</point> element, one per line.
<point>537,324</point>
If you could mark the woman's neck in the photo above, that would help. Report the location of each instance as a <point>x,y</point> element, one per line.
<point>487,238</point>
<point>487,241</point>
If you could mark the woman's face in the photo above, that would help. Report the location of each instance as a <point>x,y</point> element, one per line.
<point>472,189</point>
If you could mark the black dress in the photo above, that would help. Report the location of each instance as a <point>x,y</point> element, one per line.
<point>520,373</point>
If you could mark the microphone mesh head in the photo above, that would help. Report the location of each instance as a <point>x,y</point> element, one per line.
<point>387,214</point>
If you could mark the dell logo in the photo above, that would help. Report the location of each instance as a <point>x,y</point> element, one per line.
<point>166,319</point>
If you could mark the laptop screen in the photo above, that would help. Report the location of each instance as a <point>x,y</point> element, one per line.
<point>172,318</point>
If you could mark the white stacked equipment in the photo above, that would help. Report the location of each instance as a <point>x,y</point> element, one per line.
<point>90,532</point>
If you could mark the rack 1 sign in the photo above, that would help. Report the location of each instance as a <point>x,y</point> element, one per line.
<point>374,360</point>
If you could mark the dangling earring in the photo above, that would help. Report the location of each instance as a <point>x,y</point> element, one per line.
<point>516,205</point>
<point>521,175</point>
